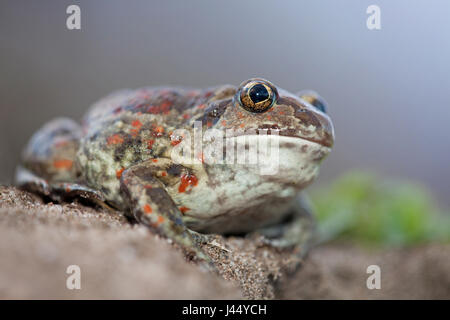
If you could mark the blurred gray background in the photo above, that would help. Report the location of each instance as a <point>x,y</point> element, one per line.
<point>388,90</point>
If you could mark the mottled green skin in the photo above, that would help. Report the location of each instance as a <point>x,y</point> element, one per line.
<point>121,155</point>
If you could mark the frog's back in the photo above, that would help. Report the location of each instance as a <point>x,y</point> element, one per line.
<point>171,105</point>
<point>124,128</point>
<point>157,102</point>
<point>131,126</point>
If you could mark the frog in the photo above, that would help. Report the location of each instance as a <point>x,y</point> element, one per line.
<point>125,155</point>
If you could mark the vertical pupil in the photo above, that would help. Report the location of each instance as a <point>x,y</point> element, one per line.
<point>258,93</point>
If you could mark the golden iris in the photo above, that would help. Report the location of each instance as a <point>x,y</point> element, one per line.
<point>257,95</point>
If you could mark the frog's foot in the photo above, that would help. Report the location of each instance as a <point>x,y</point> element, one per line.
<point>152,206</point>
<point>59,191</point>
<point>27,180</point>
<point>51,151</point>
<point>295,234</point>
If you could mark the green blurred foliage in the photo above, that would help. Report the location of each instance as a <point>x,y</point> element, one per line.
<point>363,208</point>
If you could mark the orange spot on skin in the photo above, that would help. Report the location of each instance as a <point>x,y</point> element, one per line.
<point>186,116</point>
<point>158,131</point>
<point>163,173</point>
<point>187,180</point>
<point>269,117</point>
<point>119,173</point>
<point>137,127</point>
<point>175,139</point>
<point>184,209</point>
<point>147,186</point>
<point>136,124</point>
<point>162,108</point>
<point>201,106</point>
<point>165,107</point>
<point>209,124</point>
<point>150,143</point>
<point>115,139</point>
<point>61,144</point>
<point>160,220</point>
<point>155,160</point>
<point>68,189</point>
<point>281,113</point>
<point>152,109</point>
<point>224,123</point>
<point>64,164</point>
<point>147,209</point>
<point>242,125</point>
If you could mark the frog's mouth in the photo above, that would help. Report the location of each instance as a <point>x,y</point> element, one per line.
<point>280,141</point>
<point>321,137</point>
<point>289,159</point>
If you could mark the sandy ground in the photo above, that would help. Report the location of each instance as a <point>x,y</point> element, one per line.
<point>39,241</point>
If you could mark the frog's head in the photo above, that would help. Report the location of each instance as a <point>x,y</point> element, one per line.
<point>258,111</point>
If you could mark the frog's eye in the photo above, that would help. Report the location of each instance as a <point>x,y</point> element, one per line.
<point>314,99</point>
<point>257,95</point>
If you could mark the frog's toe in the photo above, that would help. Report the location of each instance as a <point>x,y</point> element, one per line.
<point>279,242</point>
<point>296,235</point>
<point>70,191</point>
<point>199,257</point>
<point>60,191</point>
<point>27,180</point>
<point>200,238</point>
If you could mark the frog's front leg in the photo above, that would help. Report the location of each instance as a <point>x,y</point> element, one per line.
<point>152,205</point>
<point>297,232</point>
